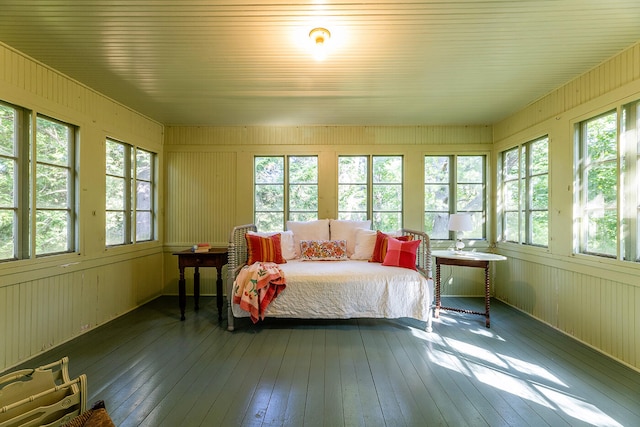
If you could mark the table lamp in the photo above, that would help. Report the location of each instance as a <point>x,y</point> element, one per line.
<point>460,223</point>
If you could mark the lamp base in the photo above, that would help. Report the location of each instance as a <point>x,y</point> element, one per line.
<point>459,245</point>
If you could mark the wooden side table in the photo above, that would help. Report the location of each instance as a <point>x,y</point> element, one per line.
<point>216,257</point>
<point>466,259</point>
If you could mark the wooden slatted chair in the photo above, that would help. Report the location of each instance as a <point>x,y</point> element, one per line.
<point>44,396</point>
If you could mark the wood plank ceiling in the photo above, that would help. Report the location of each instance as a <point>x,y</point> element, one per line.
<point>243,62</point>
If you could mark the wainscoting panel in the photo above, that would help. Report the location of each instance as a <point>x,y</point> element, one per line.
<point>36,315</point>
<point>600,312</point>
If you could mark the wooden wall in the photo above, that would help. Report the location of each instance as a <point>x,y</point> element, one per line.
<point>209,172</point>
<point>595,300</point>
<point>46,301</point>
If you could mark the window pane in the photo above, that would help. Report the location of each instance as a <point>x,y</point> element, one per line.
<point>387,221</point>
<point>539,152</point>
<point>540,228</point>
<point>53,142</point>
<point>143,196</point>
<point>269,221</point>
<point>601,138</point>
<point>115,193</point>
<point>7,227</point>
<point>470,197</point>
<point>353,216</point>
<point>436,169</point>
<point>7,130</point>
<point>602,185</point>
<point>114,228</point>
<point>387,197</point>
<point>387,169</point>
<point>303,197</point>
<point>540,192</point>
<point>352,169</point>
<point>436,225</point>
<point>143,226</point>
<point>269,197</point>
<point>143,165</point>
<point>352,198</point>
<point>51,187</point>
<point>511,226</point>
<point>7,182</point>
<point>303,170</point>
<point>470,168</point>
<point>436,197</point>
<point>510,165</point>
<point>51,231</point>
<point>303,216</point>
<point>115,158</point>
<point>511,196</point>
<point>269,170</point>
<point>601,232</point>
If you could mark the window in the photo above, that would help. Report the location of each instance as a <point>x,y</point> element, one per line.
<point>454,184</point>
<point>286,188</point>
<point>37,199</point>
<point>371,187</point>
<point>525,193</point>
<point>607,195</point>
<point>130,173</point>
<point>598,196</point>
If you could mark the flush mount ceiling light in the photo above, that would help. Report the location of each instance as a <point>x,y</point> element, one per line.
<point>319,36</point>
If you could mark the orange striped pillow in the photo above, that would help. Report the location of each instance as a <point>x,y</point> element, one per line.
<point>264,249</point>
<point>380,248</point>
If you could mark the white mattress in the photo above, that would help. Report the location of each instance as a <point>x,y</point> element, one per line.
<point>349,289</point>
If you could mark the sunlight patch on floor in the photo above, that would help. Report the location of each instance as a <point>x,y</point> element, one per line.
<point>578,409</point>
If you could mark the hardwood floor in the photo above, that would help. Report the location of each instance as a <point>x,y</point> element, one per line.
<point>153,370</point>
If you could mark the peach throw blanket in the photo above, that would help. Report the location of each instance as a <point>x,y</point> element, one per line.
<point>256,286</point>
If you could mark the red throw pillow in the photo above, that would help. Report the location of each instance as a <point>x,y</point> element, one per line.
<point>265,249</point>
<point>401,254</point>
<point>380,248</point>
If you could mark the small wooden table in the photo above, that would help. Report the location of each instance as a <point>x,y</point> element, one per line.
<point>466,259</point>
<point>216,257</point>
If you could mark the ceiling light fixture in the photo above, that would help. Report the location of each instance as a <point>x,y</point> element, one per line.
<point>319,36</point>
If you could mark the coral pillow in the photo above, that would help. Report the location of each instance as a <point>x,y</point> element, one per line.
<point>380,248</point>
<point>401,254</point>
<point>286,241</point>
<point>323,250</point>
<point>264,249</point>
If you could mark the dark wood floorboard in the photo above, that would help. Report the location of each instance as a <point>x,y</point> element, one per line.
<point>153,370</point>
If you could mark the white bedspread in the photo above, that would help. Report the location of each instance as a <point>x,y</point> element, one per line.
<point>349,289</point>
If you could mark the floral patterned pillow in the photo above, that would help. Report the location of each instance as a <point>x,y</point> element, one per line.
<point>323,250</point>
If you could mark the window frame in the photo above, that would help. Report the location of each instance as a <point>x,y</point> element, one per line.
<point>286,211</point>
<point>452,183</point>
<point>370,183</point>
<point>524,177</point>
<point>33,196</point>
<point>130,183</point>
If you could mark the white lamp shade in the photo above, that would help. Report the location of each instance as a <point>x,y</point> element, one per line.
<point>460,222</point>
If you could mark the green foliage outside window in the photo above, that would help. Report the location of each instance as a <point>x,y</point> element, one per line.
<point>600,185</point>
<point>7,181</point>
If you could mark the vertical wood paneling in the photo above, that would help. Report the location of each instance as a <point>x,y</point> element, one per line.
<point>200,197</point>
<point>597,311</point>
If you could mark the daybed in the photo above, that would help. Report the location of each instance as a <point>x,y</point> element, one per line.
<point>327,286</point>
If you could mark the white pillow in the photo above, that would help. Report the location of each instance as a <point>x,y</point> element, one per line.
<point>346,230</point>
<point>308,230</point>
<point>286,242</point>
<point>365,243</point>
